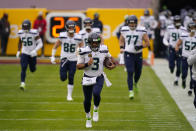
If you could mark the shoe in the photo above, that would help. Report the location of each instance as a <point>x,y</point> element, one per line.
<point>175,83</point>
<point>131,94</point>
<point>22,86</point>
<point>190,92</point>
<point>184,84</point>
<point>135,88</point>
<point>88,123</point>
<point>95,115</point>
<point>69,98</point>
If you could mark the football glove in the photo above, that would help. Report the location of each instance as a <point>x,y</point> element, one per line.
<point>18,54</point>
<point>52,59</point>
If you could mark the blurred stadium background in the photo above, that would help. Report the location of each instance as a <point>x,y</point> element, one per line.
<point>43,106</point>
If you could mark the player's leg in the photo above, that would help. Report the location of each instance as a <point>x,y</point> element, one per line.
<point>129,63</point>
<point>178,68</point>
<point>63,69</point>
<point>184,71</point>
<point>97,96</point>
<point>171,59</point>
<point>32,63</point>
<point>24,64</point>
<point>191,82</point>
<point>138,69</point>
<point>87,90</point>
<point>194,88</point>
<point>71,73</point>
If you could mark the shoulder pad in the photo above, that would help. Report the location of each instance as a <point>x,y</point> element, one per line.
<point>33,31</point>
<point>183,28</point>
<point>142,17</point>
<point>184,34</point>
<point>152,17</point>
<point>63,35</point>
<point>141,29</point>
<point>20,32</point>
<point>124,28</point>
<point>78,37</point>
<point>103,49</point>
<point>170,27</point>
<point>84,50</point>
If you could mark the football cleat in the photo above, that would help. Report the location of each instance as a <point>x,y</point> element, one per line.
<point>69,98</point>
<point>88,123</point>
<point>22,86</point>
<point>135,88</point>
<point>131,94</point>
<point>183,84</point>
<point>95,115</point>
<point>175,83</point>
<point>190,92</point>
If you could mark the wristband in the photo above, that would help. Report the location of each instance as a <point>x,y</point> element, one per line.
<point>85,65</point>
<point>121,47</point>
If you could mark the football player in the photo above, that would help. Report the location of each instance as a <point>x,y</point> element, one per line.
<point>188,42</point>
<point>30,42</point>
<point>91,59</point>
<point>87,30</point>
<point>85,33</point>
<point>69,42</point>
<point>171,36</point>
<point>131,39</point>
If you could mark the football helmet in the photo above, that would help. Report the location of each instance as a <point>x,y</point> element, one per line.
<point>94,41</point>
<point>88,23</point>
<point>132,22</point>
<point>146,12</point>
<point>191,27</point>
<point>26,25</point>
<point>167,13</point>
<point>70,26</point>
<point>177,21</point>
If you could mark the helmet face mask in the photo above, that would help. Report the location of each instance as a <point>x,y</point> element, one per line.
<point>146,12</point>
<point>70,26</point>
<point>177,21</point>
<point>191,27</point>
<point>88,23</point>
<point>94,41</point>
<point>132,22</point>
<point>26,25</point>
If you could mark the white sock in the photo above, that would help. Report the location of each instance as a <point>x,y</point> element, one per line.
<point>22,83</point>
<point>88,115</point>
<point>69,89</point>
<point>176,78</point>
<point>96,107</point>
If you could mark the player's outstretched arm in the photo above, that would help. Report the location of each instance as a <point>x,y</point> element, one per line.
<point>81,66</point>
<point>56,45</point>
<point>19,48</point>
<point>121,43</point>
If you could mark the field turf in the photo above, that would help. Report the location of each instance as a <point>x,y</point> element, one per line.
<point>43,105</point>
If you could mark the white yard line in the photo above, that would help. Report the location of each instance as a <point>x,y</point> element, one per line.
<point>184,102</point>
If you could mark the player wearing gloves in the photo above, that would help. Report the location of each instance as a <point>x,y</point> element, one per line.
<point>30,42</point>
<point>91,58</point>
<point>69,42</point>
<point>131,38</point>
<point>171,36</point>
<point>188,42</point>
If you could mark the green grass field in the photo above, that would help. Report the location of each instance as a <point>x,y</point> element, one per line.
<point>43,105</point>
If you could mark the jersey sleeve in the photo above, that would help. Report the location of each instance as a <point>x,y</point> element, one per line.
<point>78,38</point>
<point>81,56</point>
<point>124,30</point>
<point>20,32</point>
<point>34,32</point>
